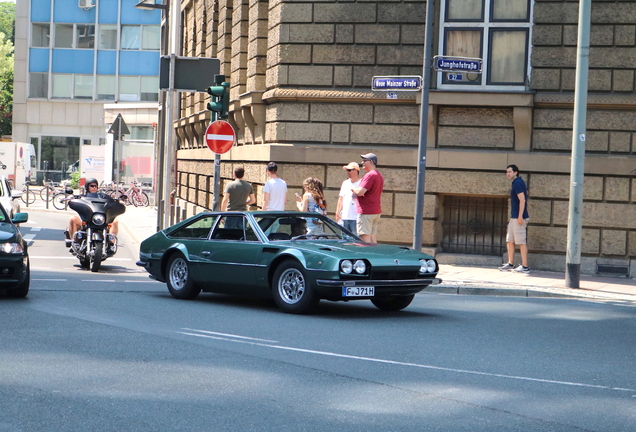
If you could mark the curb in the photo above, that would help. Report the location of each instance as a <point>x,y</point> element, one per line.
<point>488,289</point>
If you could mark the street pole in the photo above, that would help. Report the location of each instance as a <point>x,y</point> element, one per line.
<point>170,144</point>
<point>216,203</point>
<point>421,157</point>
<point>573,259</point>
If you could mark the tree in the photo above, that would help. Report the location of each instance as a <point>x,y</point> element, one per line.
<point>7,20</point>
<point>6,85</point>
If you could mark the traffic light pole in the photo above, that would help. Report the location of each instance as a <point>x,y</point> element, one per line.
<point>216,203</point>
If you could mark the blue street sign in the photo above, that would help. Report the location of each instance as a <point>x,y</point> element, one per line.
<point>455,77</point>
<point>397,83</point>
<point>457,64</point>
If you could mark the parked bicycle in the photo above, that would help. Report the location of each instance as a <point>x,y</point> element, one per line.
<point>28,196</point>
<point>51,188</point>
<point>136,196</point>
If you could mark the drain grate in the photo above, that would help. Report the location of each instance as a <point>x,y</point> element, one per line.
<point>616,270</point>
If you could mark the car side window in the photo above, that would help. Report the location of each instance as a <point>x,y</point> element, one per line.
<point>235,228</point>
<point>197,229</point>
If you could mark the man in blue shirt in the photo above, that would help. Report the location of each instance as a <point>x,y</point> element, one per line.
<point>517,227</point>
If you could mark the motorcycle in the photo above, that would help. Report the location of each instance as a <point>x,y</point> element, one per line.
<point>92,244</point>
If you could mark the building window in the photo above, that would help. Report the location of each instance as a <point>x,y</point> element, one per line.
<point>129,88</point>
<point>135,37</point>
<point>106,87</point>
<point>497,31</point>
<point>141,133</point>
<point>75,36</point>
<point>38,85</point>
<point>83,87</point>
<point>107,36</point>
<point>62,86</point>
<point>40,35</point>
<point>150,88</point>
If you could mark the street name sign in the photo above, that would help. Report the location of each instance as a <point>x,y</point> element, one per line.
<point>457,64</point>
<point>396,83</point>
<point>219,136</point>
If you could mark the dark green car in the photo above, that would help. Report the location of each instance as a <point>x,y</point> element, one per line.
<point>14,258</point>
<point>296,258</point>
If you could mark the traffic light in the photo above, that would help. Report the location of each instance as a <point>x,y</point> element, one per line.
<point>220,103</point>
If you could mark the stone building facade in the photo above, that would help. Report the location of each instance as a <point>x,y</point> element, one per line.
<point>300,74</point>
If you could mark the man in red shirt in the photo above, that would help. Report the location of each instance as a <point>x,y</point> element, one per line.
<point>369,197</point>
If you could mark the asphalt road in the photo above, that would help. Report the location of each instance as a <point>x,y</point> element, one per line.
<point>112,351</point>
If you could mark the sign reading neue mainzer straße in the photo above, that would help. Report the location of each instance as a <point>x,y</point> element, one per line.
<point>396,83</point>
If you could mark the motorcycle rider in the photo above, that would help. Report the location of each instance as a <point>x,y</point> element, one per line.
<point>75,223</point>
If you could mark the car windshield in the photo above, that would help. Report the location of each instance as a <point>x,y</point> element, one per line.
<point>302,227</point>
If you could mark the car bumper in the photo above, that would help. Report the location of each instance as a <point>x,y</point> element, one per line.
<point>13,270</point>
<point>332,289</point>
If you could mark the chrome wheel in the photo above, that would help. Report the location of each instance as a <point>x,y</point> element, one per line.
<point>178,274</point>
<point>291,286</point>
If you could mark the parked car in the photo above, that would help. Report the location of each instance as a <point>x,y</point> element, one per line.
<point>15,275</point>
<point>297,258</point>
<point>9,198</point>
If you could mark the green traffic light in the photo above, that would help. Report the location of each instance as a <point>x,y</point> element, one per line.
<point>220,99</point>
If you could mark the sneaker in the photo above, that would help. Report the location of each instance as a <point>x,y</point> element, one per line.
<point>507,267</point>
<point>522,269</point>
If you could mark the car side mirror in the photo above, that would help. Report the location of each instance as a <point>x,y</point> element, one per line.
<point>19,218</point>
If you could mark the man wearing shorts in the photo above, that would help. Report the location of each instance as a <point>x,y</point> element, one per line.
<point>369,194</point>
<point>517,227</point>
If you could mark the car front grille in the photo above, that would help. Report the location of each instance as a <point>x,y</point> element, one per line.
<point>394,274</point>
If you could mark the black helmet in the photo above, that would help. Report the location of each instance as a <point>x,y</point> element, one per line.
<point>91,181</point>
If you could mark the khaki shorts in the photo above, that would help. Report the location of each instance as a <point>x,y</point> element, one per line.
<point>517,233</point>
<point>367,224</point>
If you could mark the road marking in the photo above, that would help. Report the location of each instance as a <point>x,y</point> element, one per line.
<point>230,335</point>
<point>50,280</point>
<point>74,258</point>
<point>28,237</point>
<point>36,228</point>
<point>234,338</point>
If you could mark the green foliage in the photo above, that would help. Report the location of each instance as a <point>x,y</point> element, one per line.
<point>6,85</point>
<point>75,178</point>
<point>7,20</point>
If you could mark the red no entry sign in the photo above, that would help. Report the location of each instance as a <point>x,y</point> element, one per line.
<point>220,136</point>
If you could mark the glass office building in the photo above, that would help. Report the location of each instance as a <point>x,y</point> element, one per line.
<point>72,57</point>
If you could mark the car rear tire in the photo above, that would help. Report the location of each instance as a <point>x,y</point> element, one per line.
<point>21,290</point>
<point>179,279</point>
<point>393,304</point>
<point>291,291</point>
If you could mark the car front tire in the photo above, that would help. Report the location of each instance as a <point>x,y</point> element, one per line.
<point>22,290</point>
<point>291,292</point>
<point>179,279</point>
<point>393,304</point>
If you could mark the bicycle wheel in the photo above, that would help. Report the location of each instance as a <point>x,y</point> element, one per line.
<point>46,193</point>
<point>59,200</point>
<point>141,200</point>
<point>28,197</point>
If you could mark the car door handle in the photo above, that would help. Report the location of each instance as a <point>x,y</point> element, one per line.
<point>206,253</point>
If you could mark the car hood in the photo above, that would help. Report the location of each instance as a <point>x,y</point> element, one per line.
<point>340,249</point>
<point>9,233</point>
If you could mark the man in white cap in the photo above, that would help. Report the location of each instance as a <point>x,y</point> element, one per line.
<point>369,194</point>
<point>346,212</point>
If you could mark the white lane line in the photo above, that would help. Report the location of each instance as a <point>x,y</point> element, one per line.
<point>74,258</point>
<point>49,280</point>
<point>28,236</point>
<point>399,363</point>
<point>230,335</point>
<point>36,228</point>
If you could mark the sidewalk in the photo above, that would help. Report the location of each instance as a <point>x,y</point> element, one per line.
<point>140,223</point>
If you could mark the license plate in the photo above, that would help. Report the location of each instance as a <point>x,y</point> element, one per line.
<point>358,291</point>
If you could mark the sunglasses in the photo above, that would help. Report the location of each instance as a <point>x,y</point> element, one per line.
<point>92,185</point>
<point>349,170</point>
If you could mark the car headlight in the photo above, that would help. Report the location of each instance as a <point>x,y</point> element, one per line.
<point>346,267</point>
<point>11,248</point>
<point>99,219</point>
<point>360,267</point>
<point>428,266</point>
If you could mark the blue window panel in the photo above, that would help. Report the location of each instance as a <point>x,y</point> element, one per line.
<point>73,61</point>
<point>106,62</point>
<point>67,11</point>
<point>132,15</point>
<point>40,10</point>
<point>108,10</point>
<point>139,63</point>
<point>38,60</point>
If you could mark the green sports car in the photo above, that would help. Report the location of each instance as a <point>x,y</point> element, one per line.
<point>14,257</point>
<point>297,258</point>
